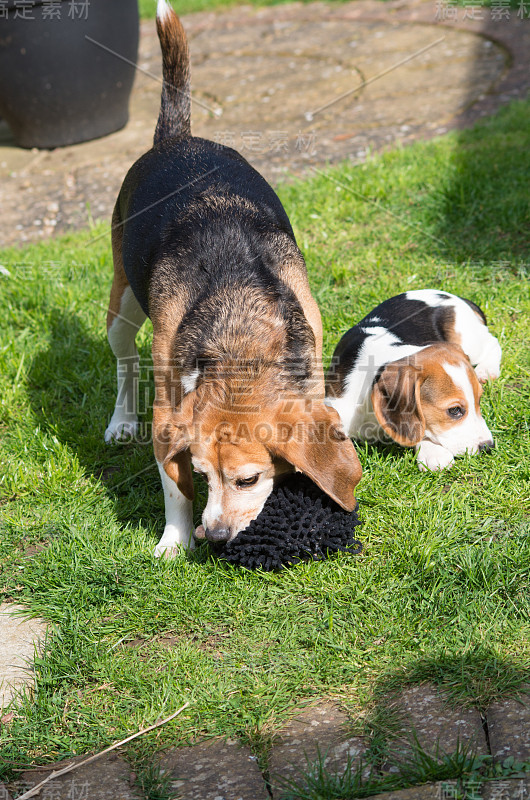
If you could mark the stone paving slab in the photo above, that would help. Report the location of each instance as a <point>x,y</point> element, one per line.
<point>509,728</point>
<point>108,778</point>
<point>320,729</point>
<point>19,636</point>
<point>264,69</point>
<point>429,791</point>
<point>436,723</point>
<point>215,770</point>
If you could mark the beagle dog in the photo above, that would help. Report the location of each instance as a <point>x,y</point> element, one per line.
<point>203,246</point>
<point>405,371</point>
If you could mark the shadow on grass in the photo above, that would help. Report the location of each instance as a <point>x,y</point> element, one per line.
<point>476,678</point>
<point>480,202</point>
<point>483,205</point>
<point>399,756</point>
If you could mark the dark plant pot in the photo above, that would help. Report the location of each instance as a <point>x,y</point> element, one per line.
<point>57,87</point>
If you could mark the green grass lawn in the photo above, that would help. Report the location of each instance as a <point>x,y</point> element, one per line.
<point>441,589</point>
<point>148,7</point>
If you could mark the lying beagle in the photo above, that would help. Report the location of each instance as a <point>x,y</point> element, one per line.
<point>203,246</point>
<point>405,370</point>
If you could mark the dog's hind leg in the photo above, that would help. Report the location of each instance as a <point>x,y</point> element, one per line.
<point>124,318</point>
<point>479,345</point>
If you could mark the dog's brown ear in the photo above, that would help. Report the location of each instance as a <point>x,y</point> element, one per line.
<point>177,462</point>
<point>396,403</point>
<point>313,441</point>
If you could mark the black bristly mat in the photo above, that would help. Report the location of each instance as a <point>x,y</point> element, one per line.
<point>299,522</point>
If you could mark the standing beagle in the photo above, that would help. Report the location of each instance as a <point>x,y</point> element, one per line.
<point>203,246</point>
<point>406,370</point>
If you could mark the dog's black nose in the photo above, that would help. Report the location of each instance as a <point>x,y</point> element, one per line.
<point>218,534</point>
<point>485,447</point>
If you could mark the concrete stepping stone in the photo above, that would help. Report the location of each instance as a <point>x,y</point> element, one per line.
<point>19,637</point>
<point>108,778</point>
<point>320,729</point>
<point>428,791</point>
<point>509,728</point>
<point>436,723</point>
<point>215,770</point>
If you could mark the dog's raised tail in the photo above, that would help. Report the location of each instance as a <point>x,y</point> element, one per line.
<point>174,116</point>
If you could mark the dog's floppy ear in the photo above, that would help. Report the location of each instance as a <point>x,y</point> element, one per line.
<point>396,403</point>
<point>177,462</point>
<point>313,441</point>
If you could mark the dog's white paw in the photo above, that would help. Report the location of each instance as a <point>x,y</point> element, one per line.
<point>488,371</point>
<point>166,551</point>
<point>432,457</point>
<point>172,543</point>
<point>171,551</point>
<point>121,430</point>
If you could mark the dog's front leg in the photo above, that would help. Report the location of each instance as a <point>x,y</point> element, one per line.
<point>179,518</point>
<point>179,509</point>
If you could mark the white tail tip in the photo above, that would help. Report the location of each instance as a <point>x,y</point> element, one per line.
<point>163,10</point>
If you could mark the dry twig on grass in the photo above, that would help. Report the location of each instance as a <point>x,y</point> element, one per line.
<point>36,789</point>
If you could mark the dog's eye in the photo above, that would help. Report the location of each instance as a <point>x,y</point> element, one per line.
<point>456,412</point>
<point>247,481</point>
